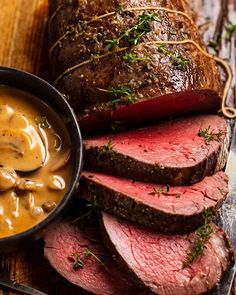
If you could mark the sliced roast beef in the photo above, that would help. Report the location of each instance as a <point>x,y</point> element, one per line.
<point>176,152</point>
<point>165,208</point>
<point>95,271</point>
<point>159,261</point>
<point>140,82</point>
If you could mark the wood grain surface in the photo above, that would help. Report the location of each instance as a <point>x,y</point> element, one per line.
<point>23,38</point>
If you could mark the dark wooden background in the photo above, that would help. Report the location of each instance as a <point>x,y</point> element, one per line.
<point>23,44</point>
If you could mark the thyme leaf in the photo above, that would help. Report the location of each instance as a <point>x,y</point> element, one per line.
<point>214,44</point>
<point>230,29</point>
<point>128,56</point>
<point>157,191</point>
<point>203,234</point>
<point>211,135</point>
<point>134,34</point>
<point>77,263</point>
<point>179,61</point>
<point>121,94</point>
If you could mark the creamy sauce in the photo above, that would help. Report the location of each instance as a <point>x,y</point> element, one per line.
<point>35,161</point>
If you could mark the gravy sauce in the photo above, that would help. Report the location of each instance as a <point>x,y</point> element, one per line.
<point>35,161</point>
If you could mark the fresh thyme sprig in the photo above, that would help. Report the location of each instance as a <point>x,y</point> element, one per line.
<point>134,34</point>
<point>204,232</point>
<point>210,135</point>
<point>130,57</point>
<point>87,253</point>
<point>164,191</point>
<point>120,94</point>
<point>179,61</point>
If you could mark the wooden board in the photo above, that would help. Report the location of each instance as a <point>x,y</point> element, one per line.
<point>23,37</point>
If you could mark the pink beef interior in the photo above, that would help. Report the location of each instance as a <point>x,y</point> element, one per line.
<point>64,240</point>
<point>169,144</point>
<point>154,109</point>
<point>157,259</point>
<point>183,200</point>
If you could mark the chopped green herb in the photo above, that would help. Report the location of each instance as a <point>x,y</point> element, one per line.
<point>134,57</point>
<point>77,263</point>
<point>179,61</point>
<point>42,122</point>
<point>134,34</point>
<point>211,135</point>
<point>204,232</point>
<point>214,44</point>
<point>230,29</point>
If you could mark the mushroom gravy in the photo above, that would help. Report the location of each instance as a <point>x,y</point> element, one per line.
<point>35,161</point>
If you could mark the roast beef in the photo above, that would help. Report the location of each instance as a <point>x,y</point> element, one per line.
<point>65,240</point>
<point>159,261</point>
<point>145,82</point>
<point>165,208</point>
<point>176,152</point>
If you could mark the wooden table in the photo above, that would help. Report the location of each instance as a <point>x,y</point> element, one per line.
<point>23,40</point>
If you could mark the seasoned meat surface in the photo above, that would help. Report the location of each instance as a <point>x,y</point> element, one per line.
<point>164,208</point>
<point>142,71</point>
<point>176,152</point>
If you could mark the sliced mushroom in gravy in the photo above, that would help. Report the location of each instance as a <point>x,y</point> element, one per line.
<point>35,161</point>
